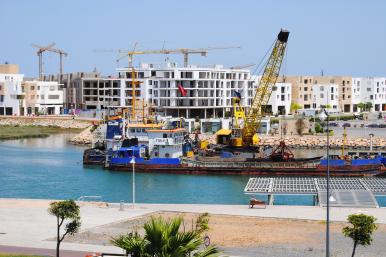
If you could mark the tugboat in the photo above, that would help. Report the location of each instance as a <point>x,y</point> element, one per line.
<point>163,151</point>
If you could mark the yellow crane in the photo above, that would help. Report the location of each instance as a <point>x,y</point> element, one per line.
<point>244,136</point>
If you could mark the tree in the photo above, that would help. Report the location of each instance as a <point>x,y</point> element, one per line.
<point>361,106</point>
<point>300,125</point>
<point>361,230</point>
<point>368,106</point>
<point>295,107</point>
<point>163,238</point>
<point>65,210</point>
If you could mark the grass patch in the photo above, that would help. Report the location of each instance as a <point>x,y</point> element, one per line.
<point>18,132</point>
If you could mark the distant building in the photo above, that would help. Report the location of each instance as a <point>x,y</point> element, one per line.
<point>209,89</point>
<point>43,97</point>
<point>326,96</point>
<point>370,90</point>
<point>72,85</point>
<point>280,101</point>
<point>11,95</point>
<point>303,86</point>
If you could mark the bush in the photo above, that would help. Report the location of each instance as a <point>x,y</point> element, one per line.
<point>318,128</point>
<point>274,121</point>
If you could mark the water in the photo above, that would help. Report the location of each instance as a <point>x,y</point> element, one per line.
<point>49,168</point>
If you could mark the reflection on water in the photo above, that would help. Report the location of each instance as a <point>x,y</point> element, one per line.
<point>51,168</point>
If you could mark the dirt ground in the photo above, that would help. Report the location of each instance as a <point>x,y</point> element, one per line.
<point>227,231</point>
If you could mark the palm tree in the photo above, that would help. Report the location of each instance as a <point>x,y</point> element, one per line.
<point>163,239</point>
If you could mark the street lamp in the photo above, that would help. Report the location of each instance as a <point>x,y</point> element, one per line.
<point>371,141</point>
<point>325,116</point>
<point>133,162</point>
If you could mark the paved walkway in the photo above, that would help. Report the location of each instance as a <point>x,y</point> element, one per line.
<point>26,223</point>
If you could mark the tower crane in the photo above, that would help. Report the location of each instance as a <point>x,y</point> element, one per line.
<point>184,51</point>
<point>41,50</point>
<point>61,54</point>
<point>49,48</point>
<point>252,120</point>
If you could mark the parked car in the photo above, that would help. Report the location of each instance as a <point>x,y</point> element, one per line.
<point>333,124</point>
<point>373,125</point>
<point>382,126</point>
<point>346,125</point>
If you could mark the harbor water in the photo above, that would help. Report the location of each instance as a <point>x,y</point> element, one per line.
<point>50,168</point>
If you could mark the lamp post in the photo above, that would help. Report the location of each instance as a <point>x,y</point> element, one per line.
<point>325,116</point>
<point>371,141</point>
<point>133,163</point>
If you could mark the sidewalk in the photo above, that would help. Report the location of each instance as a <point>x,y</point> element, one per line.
<point>26,223</point>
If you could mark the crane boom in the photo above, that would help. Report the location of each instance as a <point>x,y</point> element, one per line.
<point>264,88</point>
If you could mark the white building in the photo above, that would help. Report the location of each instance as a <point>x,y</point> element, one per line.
<point>43,97</point>
<point>326,95</point>
<point>370,89</point>
<point>10,93</point>
<point>280,100</point>
<point>209,89</point>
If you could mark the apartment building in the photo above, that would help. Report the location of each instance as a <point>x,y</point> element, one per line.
<point>303,86</point>
<point>209,89</point>
<point>72,85</point>
<point>279,101</point>
<point>11,95</point>
<point>370,90</point>
<point>326,96</point>
<point>42,97</point>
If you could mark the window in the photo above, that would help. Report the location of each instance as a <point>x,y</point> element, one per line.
<point>53,97</point>
<point>282,90</point>
<point>321,95</point>
<point>52,88</point>
<point>305,88</point>
<point>32,87</point>
<point>322,88</point>
<point>305,81</point>
<point>1,98</point>
<point>165,135</point>
<point>305,97</point>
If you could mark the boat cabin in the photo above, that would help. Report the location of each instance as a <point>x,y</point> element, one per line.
<point>166,143</point>
<point>139,131</point>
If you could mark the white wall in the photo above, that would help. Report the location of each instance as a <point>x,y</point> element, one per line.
<point>326,94</point>
<point>50,95</point>
<point>12,88</point>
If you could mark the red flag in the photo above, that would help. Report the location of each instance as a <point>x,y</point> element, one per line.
<point>182,90</point>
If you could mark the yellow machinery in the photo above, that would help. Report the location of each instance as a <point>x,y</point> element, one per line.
<point>246,136</point>
<point>344,140</point>
<point>238,113</point>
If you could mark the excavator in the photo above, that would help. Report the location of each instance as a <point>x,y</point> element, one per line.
<point>244,135</point>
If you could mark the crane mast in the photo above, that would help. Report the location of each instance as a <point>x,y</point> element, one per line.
<point>264,89</point>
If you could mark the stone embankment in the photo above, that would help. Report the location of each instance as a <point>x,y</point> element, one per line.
<point>83,138</point>
<point>313,141</point>
<point>45,121</point>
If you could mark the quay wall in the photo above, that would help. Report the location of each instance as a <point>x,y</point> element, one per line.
<point>314,141</point>
<point>53,121</point>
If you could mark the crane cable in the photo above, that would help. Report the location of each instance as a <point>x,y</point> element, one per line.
<point>263,60</point>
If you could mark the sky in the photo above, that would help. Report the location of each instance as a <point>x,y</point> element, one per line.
<point>346,37</point>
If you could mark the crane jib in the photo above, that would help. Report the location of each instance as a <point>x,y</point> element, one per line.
<point>264,88</point>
